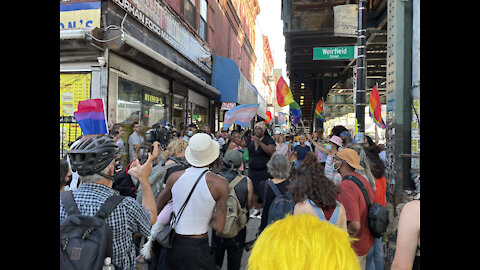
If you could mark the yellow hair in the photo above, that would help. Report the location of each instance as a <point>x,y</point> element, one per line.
<point>174,147</point>
<point>303,242</point>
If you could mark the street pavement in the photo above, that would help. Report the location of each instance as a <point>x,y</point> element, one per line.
<point>252,229</point>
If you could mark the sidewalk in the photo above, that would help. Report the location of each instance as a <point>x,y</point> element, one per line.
<point>252,229</point>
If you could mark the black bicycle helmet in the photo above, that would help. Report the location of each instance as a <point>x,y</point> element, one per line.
<point>92,155</point>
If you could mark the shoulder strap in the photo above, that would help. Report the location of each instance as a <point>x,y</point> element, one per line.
<point>69,203</point>
<point>109,205</point>
<point>235,181</point>
<point>188,198</point>
<point>334,217</point>
<point>361,186</point>
<point>274,188</point>
<point>319,211</point>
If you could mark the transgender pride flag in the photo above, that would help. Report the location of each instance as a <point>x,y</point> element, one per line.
<point>91,116</point>
<point>240,115</point>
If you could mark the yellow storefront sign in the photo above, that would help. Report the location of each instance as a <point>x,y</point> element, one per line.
<point>80,15</point>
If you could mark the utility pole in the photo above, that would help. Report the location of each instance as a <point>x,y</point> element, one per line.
<point>362,66</point>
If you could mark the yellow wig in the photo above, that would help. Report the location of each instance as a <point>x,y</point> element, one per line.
<point>303,242</point>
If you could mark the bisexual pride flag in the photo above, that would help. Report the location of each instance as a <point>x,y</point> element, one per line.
<point>91,117</point>
<point>240,115</point>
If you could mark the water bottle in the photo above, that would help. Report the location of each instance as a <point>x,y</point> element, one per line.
<point>107,264</point>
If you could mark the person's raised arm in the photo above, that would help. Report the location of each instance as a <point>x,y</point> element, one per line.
<point>239,142</point>
<point>317,145</point>
<point>142,172</point>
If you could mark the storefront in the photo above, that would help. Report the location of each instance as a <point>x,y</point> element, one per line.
<point>197,109</point>
<point>142,75</point>
<point>136,94</point>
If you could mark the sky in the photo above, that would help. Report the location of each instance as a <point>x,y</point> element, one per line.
<point>271,25</point>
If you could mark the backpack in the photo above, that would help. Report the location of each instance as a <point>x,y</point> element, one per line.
<point>236,218</point>
<point>377,213</point>
<point>333,219</point>
<point>157,178</point>
<point>85,241</point>
<point>282,205</point>
<point>123,183</point>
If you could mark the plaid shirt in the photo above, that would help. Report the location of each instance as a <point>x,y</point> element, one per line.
<point>129,217</point>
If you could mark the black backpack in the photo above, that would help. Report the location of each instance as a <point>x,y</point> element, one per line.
<point>85,241</point>
<point>377,213</point>
<point>282,205</point>
<point>123,183</point>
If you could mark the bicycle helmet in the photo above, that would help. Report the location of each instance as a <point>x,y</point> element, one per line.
<point>92,155</point>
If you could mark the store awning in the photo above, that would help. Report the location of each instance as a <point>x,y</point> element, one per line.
<point>233,86</point>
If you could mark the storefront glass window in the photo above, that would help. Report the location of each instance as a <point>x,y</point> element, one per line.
<point>178,111</point>
<point>199,115</point>
<point>137,102</point>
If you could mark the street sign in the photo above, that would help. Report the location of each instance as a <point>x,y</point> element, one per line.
<point>334,53</point>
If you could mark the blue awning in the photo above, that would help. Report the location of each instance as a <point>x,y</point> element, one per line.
<point>233,86</point>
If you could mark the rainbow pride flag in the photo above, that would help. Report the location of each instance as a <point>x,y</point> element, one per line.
<point>296,112</point>
<point>91,117</point>
<point>375,109</point>
<point>240,115</point>
<point>319,113</point>
<point>284,95</point>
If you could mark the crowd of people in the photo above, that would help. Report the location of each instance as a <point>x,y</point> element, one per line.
<point>194,182</point>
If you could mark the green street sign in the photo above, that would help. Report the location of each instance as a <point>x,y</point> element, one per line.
<point>334,53</point>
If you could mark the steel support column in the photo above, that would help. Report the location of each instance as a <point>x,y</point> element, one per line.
<point>362,66</point>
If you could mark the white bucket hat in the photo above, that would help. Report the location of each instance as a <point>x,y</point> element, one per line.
<point>201,150</point>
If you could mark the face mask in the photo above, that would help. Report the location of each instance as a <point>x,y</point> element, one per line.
<point>329,147</point>
<point>190,133</point>
<point>338,166</point>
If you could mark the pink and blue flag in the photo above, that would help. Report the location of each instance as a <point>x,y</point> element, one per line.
<point>240,115</point>
<point>91,117</point>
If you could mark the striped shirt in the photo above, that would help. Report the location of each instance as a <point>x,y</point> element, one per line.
<point>129,217</point>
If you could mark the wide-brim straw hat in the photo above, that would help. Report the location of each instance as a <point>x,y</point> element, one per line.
<point>201,150</point>
<point>351,157</point>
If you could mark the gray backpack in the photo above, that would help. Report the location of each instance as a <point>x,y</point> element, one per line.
<point>157,179</point>
<point>85,241</point>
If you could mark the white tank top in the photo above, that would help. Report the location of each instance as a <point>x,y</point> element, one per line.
<point>199,209</point>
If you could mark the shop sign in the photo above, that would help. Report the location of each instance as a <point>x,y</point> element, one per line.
<point>153,99</point>
<point>228,105</point>
<point>160,21</point>
<point>79,15</point>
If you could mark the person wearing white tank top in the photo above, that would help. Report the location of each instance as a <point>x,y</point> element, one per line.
<point>197,214</point>
<point>206,207</point>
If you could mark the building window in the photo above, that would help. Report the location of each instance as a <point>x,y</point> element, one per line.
<point>137,102</point>
<point>203,29</point>
<point>189,11</point>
